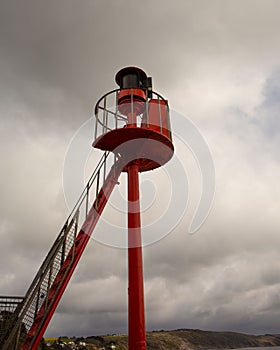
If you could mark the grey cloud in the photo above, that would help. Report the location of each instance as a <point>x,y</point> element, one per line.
<point>218,65</point>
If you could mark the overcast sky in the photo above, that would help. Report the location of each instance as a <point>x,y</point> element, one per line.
<point>217,62</point>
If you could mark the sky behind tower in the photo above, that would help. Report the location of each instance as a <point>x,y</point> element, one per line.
<point>217,63</point>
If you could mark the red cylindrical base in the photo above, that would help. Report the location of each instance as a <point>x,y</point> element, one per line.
<point>136,308</point>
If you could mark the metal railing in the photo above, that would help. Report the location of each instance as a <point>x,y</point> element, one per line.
<point>17,313</point>
<point>9,307</point>
<point>109,117</point>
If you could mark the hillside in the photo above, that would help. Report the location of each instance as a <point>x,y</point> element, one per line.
<point>189,339</point>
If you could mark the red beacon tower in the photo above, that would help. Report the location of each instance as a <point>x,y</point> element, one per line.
<point>133,123</point>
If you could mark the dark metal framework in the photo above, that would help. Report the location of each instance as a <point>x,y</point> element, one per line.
<point>9,307</point>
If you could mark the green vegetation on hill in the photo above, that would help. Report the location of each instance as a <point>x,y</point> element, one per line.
<point>182,339</point>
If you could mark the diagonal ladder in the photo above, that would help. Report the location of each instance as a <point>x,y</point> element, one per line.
<point>31,318</point>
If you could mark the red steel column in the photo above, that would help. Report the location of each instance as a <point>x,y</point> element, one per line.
<point>136,312</point>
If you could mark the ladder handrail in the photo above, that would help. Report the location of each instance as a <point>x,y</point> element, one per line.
<point>75,254</point>
<point>61,250</point>
<point>89,183</point>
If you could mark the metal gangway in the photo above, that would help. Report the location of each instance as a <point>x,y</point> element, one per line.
<point>23,320</point>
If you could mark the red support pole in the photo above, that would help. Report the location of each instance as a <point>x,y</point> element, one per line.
<point>136,312</point>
